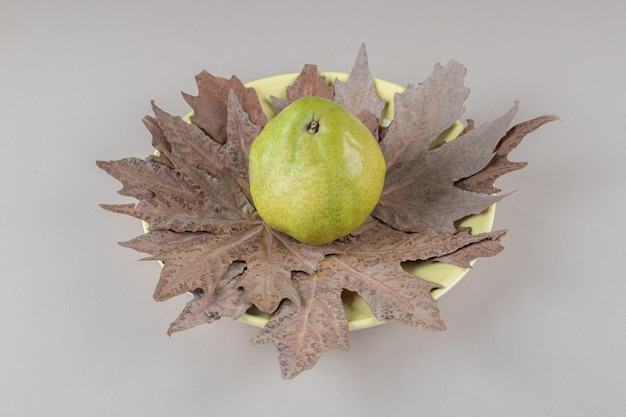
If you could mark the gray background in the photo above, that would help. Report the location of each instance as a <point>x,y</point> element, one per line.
<point>538,330</point>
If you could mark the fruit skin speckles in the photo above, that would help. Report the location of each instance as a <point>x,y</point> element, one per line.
<point>315,181</point>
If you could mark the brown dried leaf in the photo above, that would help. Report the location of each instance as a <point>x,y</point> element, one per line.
<point>275,256</point>
<point>159,140</point>
<point>184,141</point>
<point>371,122</point>
<point>420,194</point>
<point>200,259</point>
<point>489,246</point>
<point>482,182</point>
<point>203,227</point>
<point>226,301</point>
<point>391,293</point>
<point>302,333</point>
<point>181,198</point>
<point>421,113</point>
<point>189,143</point>
<point>358,94</point>
<point>371,266</point>
<point>211,103</point>
<point>183,272</point>
<point>308,83</point>
<point>388,245</point>
<point>240,132</point>
<point>139,176</point>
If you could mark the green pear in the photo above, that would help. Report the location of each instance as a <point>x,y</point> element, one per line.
<point>316,172</point>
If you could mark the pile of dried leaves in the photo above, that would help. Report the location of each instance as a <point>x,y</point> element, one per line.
<point>204,228</point>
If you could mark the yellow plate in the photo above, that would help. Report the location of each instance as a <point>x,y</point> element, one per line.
<point>357,311</point>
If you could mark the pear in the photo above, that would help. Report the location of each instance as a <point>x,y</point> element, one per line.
<point>316,171</point>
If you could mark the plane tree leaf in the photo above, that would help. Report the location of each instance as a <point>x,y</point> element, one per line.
<point>193,195</point>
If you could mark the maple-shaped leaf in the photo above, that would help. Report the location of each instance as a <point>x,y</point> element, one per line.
<point>203,227</point>
<point>176,201</point>
<point>358,94</point>
<point>180,198</point>
<point>420,194</point>
<point>211,104</point>
<point>273,257</point>
<point>159,140</point>
<point>198,260</point>
<point>187,142</point>
<point>226,301</point>
<point>184,268</point>
<point>482,182</point>
<point>308,83</point>
<point>422,112</point>
<point>370,265</point>
<point>302,333</point>
<point>490,246</point>
<point>391,293</point>
<point>240,133</point>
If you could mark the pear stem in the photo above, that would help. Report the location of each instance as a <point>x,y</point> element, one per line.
<point>313,127</point>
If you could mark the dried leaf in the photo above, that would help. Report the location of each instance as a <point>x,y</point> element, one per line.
<point>391,294</point>
<point>159,140</point>
<point>358,94</point>
<point>226,301</point>
<point>240,132</point>
<point>183,272</point>
<point>184,141</point>
<point>199,260</point>
<point>421,113</point>
<point>308,83</point>
<point>213,244</point>
<point>135,174</point>
<point>420,194</point>
<point>189,143</point>
<point>302,333</point>
<point>210,105</point>
<point>371,266</point>
<point>489,246</point>
<point>482,182</point>
<point>181,199</point>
